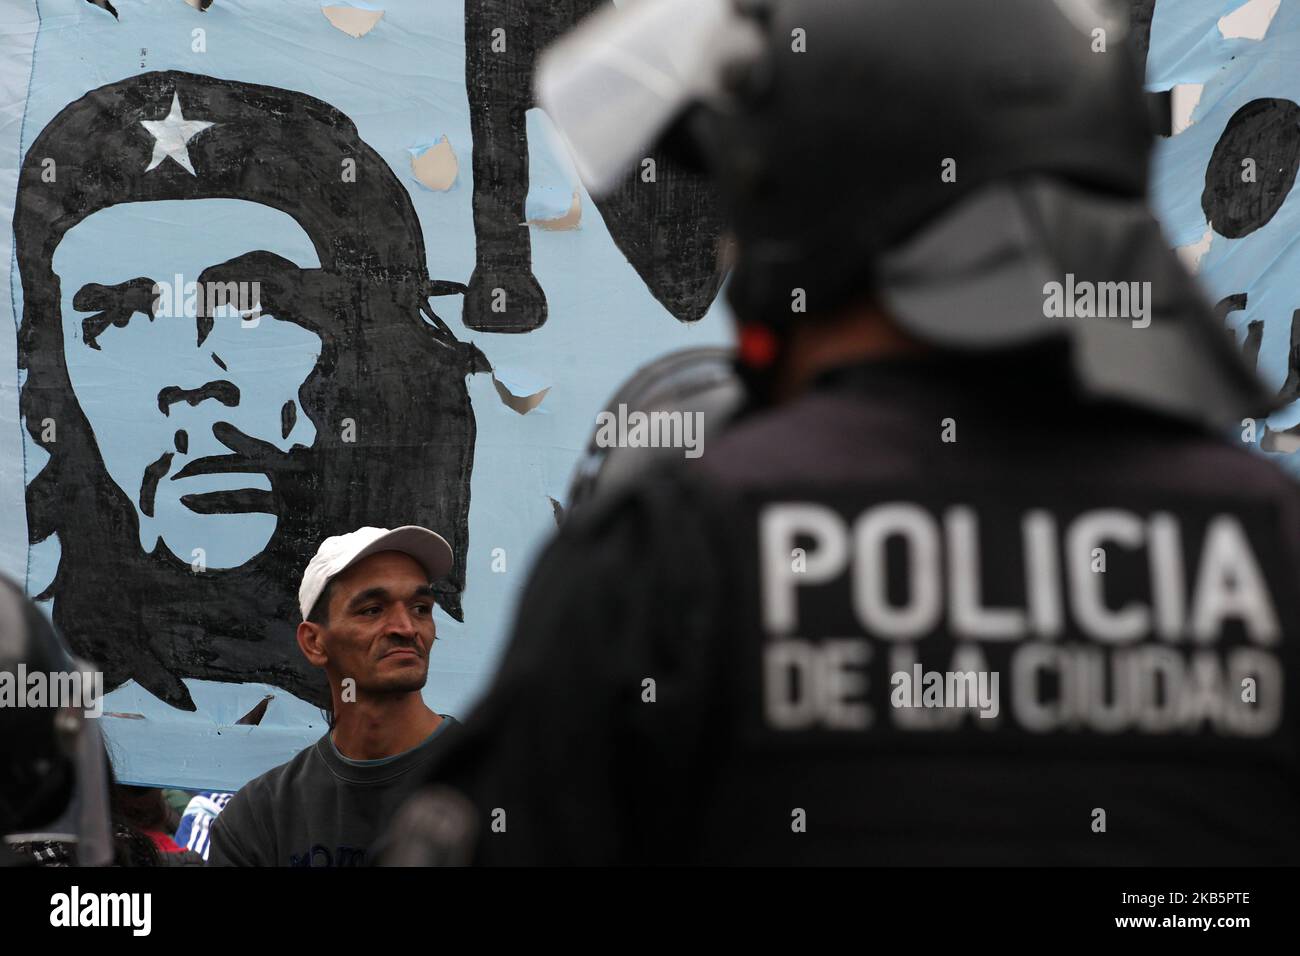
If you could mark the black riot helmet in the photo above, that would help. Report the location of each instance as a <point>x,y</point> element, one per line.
<point>967,165</point>
<point>699,382</point>
<point>53,774</point>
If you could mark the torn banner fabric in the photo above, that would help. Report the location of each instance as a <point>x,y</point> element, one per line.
<point>279,271</point>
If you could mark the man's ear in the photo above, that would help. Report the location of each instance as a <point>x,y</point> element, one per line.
<point>311,641</point>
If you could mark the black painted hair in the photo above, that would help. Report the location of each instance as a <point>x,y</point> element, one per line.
<point>387,362</point>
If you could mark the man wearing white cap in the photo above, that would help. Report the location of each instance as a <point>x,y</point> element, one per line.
<point>367,602</point>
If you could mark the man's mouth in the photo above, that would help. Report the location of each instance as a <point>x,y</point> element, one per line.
<point>250,457</point>
<point>226,501</point>
<point>230,502</point>
<point>402,652</point>
<point>219,465</point>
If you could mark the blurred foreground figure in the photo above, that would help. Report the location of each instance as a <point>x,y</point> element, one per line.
<point>974,577</point>
<point>694,392</point>
<point>54,773</point>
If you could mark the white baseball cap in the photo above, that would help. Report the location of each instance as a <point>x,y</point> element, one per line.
<point>340,552</point>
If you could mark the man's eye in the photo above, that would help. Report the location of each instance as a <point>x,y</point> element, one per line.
<point>370,611</point>
<point>422,609</point>
<point>94,326</point>
<point>114,305</point>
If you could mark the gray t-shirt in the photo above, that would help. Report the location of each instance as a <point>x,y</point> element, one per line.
<point>320,808</point>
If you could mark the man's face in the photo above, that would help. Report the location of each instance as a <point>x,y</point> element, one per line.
<point>380,624</point>
<point>176,411</point>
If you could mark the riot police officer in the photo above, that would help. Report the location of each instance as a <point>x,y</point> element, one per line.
<point>974,577</point>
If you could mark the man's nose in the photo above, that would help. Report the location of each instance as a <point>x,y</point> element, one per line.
<point>227,393</point>
<point>402,623</point>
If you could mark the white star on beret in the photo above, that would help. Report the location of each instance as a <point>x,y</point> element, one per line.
<point>170,134</point>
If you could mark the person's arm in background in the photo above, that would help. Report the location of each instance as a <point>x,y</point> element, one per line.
<point>566,758</point>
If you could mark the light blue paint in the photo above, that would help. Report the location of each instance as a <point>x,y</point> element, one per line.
<point>552,178</point>
<point>402,84</point>
<point>1186,45</point>
<point>118,384</point>
<point>1265,263</point>
<point>17,41</point>
<point>356,4</point>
